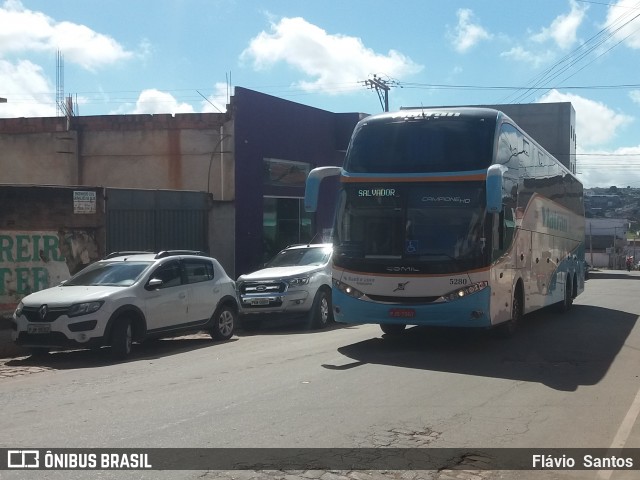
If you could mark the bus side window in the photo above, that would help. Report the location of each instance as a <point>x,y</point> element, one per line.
<point>509,227</point>
<point>503,230</point>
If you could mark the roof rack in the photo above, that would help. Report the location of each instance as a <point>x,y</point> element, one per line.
<point>127,253</point>
<point>168,253</point>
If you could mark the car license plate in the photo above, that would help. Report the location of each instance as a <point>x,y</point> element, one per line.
<point>260,301</point>
<point>402,313</point>
<point>38,328</point>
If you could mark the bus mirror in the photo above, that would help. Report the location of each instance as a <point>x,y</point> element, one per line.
<point>312,188</point>
<point>494,188</point>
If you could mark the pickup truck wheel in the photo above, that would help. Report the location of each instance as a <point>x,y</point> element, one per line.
<point>121,339</point>
<point>321,314</point>
<point>223,323</point>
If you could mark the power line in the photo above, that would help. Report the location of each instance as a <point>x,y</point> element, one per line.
<point>575,56</point>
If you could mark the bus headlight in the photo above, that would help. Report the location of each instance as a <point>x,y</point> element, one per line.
<point>464,291</point>
<point>347,289</point>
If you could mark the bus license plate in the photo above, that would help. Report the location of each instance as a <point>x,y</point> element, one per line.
<point>402,313</point>
<point>38,328</point>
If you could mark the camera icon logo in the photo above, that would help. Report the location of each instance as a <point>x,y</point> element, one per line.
<point>23,459</point>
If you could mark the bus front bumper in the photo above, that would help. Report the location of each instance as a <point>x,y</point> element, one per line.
<point>471,311</point>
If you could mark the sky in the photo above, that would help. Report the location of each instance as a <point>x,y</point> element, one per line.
<point>186,56</point>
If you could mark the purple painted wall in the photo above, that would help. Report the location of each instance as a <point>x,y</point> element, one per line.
<point>269,127</point>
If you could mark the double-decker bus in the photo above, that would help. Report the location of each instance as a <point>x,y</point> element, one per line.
<point>451,217</point>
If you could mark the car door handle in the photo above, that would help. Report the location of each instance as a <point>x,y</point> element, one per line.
<point>182,295</point>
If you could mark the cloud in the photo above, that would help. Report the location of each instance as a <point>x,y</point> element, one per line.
<point>596,124</point>
<point>29,89</point>
<point>564,28</point>
<point>624,23</point>
<point>154,101</point>
<point>562,32</point>
<point>535,59</point>
<point>23,30</point>
<point>336,62</point>
<point>600,168</point>
<point>218,98</point>
<point>467,34</point>
<point>635,96</point>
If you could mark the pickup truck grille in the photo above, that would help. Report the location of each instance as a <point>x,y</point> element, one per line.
<point>255,288</point>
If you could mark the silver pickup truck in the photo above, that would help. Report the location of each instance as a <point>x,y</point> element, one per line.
<point>296,282</point>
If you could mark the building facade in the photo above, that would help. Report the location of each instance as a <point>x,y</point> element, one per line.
<point>251,162</point>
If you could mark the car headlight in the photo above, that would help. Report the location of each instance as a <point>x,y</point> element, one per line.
<point>84,308</point>
<point>18,311</point>
<point>296,282</point>
<point>347,289</point>
<point>464,291</point>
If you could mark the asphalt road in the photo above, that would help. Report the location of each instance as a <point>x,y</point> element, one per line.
<point>565,381</point>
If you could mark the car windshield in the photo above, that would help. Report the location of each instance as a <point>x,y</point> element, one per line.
<point>301,256</point>
<point>121,274</point>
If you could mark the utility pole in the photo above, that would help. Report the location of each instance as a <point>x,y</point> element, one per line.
<point>382,89</point>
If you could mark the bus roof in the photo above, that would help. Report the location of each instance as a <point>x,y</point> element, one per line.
<point>417,112</point>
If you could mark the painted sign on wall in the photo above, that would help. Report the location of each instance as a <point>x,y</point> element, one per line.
<point>35,260</point>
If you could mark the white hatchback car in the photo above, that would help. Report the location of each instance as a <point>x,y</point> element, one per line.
<point>127,297</point>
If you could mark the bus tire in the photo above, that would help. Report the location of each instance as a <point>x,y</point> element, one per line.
<point>508,329</point>
<point>392,328</point>
<point>567,301</point>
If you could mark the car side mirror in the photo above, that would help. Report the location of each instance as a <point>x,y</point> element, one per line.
<point>154,283</point>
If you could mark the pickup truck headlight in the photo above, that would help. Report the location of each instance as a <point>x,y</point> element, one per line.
<point>84,308</point>
<point>18,311</point>
<point>297,281</point>
<point>464,291</point>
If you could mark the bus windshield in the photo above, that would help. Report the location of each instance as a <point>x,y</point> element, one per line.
<point>434,228</point>
<point>421,145</point>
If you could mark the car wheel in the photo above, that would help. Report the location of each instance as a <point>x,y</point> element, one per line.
<point>392,328</point>
<point>321,314</point>
<point>121,338</point>
<point>223,323</point>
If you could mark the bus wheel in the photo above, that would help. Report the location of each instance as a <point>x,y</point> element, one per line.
<point>565,304</point>
<point>508,328</point>
<point>392,328</point>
